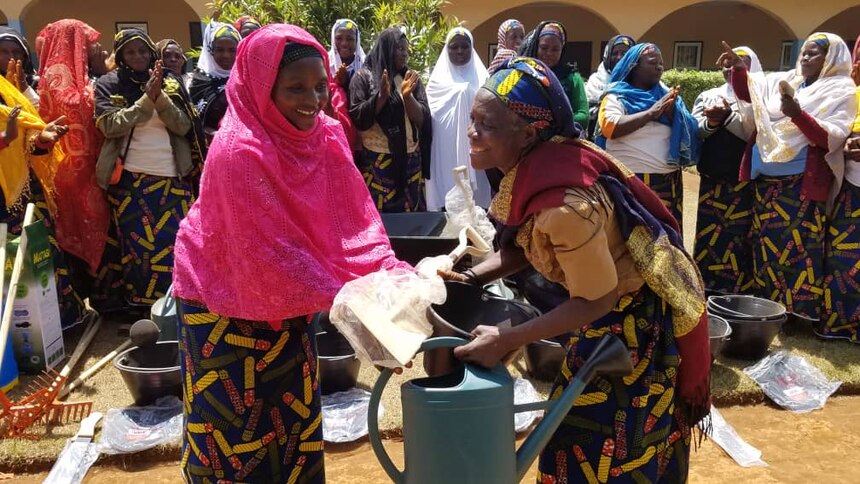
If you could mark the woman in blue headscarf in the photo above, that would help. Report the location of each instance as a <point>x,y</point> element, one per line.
<point>647,126</point>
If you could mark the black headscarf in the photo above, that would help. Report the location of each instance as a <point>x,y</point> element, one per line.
<point>163,44</point>
<point>122,87</point>
<point>607,52</point>
<point>392,118</point>
<point>123,81</point>
<point>8,33</point>
<point>529,48</point>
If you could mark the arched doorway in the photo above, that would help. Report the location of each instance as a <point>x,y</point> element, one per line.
<point>163,18</point>
<point>587,30</point>
<point>845,24</point>
<point>707,24</point>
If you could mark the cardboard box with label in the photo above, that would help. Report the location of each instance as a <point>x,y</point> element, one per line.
<point>36,332</point>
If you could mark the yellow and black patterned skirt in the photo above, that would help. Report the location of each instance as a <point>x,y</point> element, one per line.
<point>669,187</point>
<point>789,233</point>
<point>629,429</point>
<point>724,247</point>
<point>394,189</point>
<point>841,308</point>
<point>252,400</point>
<point>146,211</point>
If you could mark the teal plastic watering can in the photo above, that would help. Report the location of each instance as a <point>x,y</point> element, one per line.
<point>163,312</point>
<point>459,427</point>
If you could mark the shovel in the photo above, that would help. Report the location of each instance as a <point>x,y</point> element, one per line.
<point>478,248</point>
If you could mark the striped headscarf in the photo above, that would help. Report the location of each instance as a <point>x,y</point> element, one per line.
<point>531,90</point>
<point>504,52</point>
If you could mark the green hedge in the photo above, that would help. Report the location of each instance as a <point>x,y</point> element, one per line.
<point>692,82</point>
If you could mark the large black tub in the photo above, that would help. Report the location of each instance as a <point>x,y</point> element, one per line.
<point>467,307</point>
<point>416,235</point>
<point>754,323</point>
<point>339,366</point>
<point>151,373</point>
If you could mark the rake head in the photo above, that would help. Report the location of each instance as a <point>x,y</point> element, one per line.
<point>39,406</point>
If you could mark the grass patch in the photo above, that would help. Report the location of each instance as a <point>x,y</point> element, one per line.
<point>838,360</point>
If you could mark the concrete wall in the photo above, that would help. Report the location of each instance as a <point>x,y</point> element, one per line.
<point>707,23</point>
<point>636,18</point>
<point>165,18</point>
<point>845,24</point>
<point>581,25</point>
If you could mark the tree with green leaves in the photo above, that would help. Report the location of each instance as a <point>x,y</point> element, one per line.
<point>426,26</point>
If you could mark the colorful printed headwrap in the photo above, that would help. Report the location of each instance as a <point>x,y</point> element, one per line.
<point>820,40</point>
<point>224,32</point>
<point>458,32</point>
<point>511,24</point>
<point>345,24</point>
<point>556,29</point>
<point>247,19</point>
<point>531,90</point>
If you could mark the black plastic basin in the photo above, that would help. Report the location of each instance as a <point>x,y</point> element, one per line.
<point>415,235</point>
<point>544,358</point>
<point>751,339</point>
<point>467,307</point>
<point>339,366</point>
<point>151,373</point>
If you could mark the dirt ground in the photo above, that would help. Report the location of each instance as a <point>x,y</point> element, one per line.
<point>798,448</point>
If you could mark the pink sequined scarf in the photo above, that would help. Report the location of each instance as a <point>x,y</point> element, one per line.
<point>283,219</point>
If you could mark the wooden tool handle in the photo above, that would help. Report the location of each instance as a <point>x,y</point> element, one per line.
<point>97,366</point>
<point>83,344</point>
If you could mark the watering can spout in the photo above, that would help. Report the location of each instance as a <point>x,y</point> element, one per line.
<point>609,358</point>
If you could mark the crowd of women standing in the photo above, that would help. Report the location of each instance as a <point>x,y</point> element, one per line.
<point>303,148</point>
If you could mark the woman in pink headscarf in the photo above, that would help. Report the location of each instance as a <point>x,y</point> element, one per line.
<point>282,222</point>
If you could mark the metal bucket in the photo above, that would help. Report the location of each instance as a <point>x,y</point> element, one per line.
<point>719,331</point>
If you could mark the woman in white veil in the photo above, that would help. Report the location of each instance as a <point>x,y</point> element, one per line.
<point>796,163</point>
<point>346,55</point>
<point>455,80</point>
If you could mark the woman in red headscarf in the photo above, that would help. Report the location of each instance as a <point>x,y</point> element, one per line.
<point>65,89</point>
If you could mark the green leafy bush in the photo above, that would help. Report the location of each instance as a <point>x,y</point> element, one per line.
<point>425,24</point>
<point>692,82</point>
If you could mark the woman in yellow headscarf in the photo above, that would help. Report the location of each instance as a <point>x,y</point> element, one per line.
<point>29,156</point>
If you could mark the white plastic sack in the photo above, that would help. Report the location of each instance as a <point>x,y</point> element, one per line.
<point>382,314</point>
<point>728,439</point>
<point>461,211</point>
<point>345,415</point>
<point>792,382</point>
<point>524,392</point>
<point>134,429</point>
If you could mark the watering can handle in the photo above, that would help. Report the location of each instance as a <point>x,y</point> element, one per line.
<point>373,407</point>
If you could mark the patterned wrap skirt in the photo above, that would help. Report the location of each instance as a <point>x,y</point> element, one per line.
<point>146,211</point>
<point>669,187</point>
<point>789,245</point>
<point>72,306</point>
<point>252,400</point>
<point>841,308</point>
<point>628,429</point>
<point>723,249</point>
<point>388,193</point>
